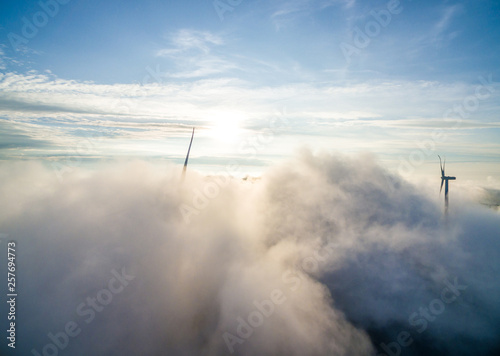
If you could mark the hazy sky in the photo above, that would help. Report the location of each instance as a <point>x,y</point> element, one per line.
<point>405,80</point>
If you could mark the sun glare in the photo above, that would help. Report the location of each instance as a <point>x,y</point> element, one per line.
<point>225,126</point>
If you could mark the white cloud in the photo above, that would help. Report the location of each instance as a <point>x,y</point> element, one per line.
<point>185,39</point>
<point>353,250</point>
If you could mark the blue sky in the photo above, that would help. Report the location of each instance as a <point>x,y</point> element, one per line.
<point>84,81</point>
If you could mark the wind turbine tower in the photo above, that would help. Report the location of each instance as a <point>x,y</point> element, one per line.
<point>187,156</point>
<point>444,179</point>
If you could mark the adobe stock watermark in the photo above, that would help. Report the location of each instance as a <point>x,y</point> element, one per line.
<point>361,38</point>
<point>31,27</point>
<point>264,309</point>
<point>88,309</point>
<point>454,116</point>
<point>223,6</point>
<point>249,147</point>
<point>419,320</point>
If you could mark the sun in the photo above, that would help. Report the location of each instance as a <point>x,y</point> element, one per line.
<point>226,126</point>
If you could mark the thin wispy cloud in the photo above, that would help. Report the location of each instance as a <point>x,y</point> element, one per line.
<point>185,40</point>
<point>2,58</point>
<point>194,54</point>
<point>448,13</point>
<point>442,31</point>
<point>288,13</point>
<point>45,93</point>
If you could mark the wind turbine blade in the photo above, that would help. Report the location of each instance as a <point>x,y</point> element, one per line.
<point>441,166</point>
<point>442,181</point>
<point>187,156</point>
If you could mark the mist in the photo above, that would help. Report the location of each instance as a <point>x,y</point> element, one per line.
<point>325,254</point>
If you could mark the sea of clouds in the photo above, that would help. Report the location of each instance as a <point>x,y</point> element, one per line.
<point>323,255</point>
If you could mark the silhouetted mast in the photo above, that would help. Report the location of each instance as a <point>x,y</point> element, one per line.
<point>187,156</point>
<point>444,179</point>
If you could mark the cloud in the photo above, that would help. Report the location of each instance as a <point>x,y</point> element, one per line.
<point>185,39</point>
<point>386,117</point>
<point>324,255</point>
<point>192,54</point>
<point>36,92</point>
<point>288,13</point>
<point>441,33</point>
<point>15,138</point>
<point>447,15</point>
<point>8,61</point>
<point>489,197</point>
<point>2,57</point>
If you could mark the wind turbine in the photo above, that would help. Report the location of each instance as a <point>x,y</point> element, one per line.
<point>443,180</point>
<point>187,156</point>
